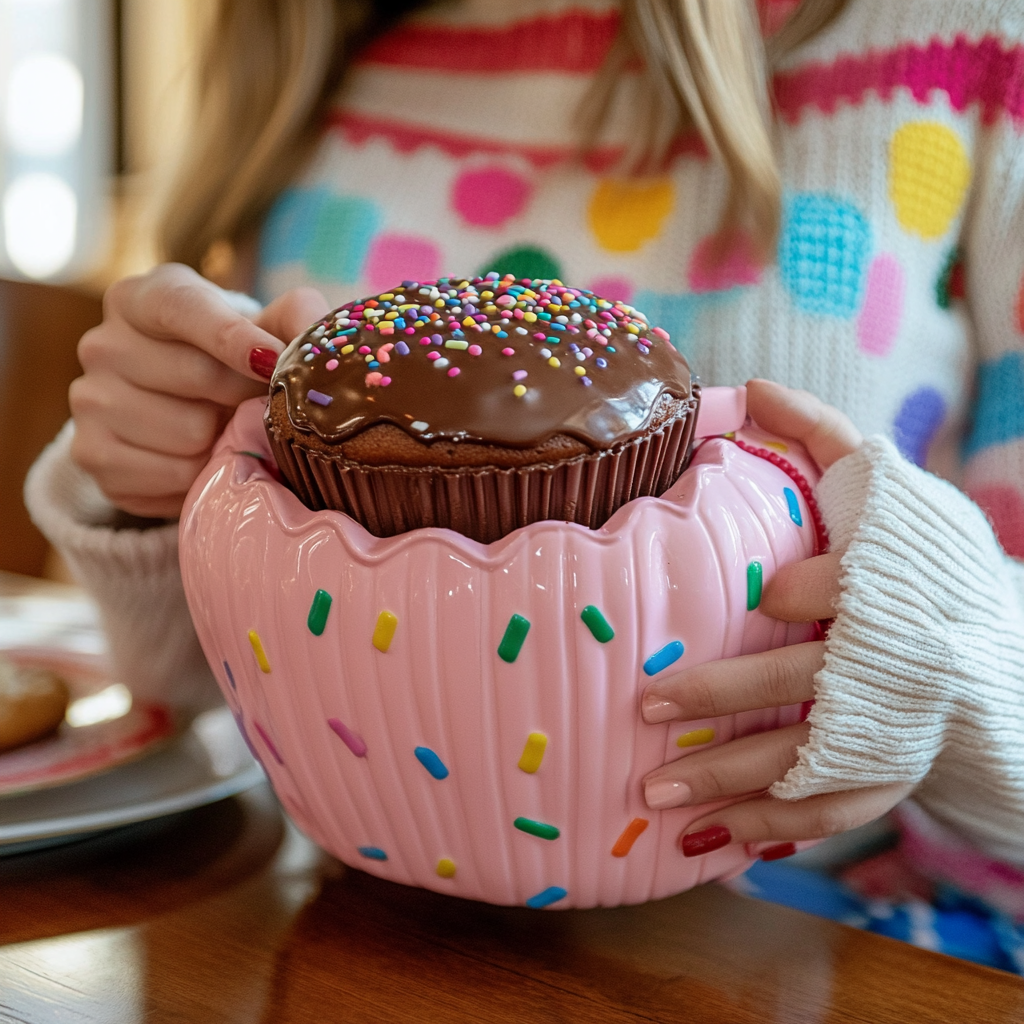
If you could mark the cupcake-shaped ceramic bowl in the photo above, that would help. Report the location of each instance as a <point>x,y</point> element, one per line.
<point>465,716</point>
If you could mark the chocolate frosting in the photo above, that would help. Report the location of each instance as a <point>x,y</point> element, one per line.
<point>441,361</point>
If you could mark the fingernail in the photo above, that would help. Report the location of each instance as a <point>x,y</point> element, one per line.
<point>695,844</point>
<point>657,709</point>
<point>660,793</point>
<point>263,361</point>
<point>778,851</point>
<point>805,709</point>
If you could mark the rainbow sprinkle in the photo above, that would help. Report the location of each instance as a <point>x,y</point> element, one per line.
<point>446,867</point>
<point>661,659</point>
<point>384,631</point>
<point>372,853</point>
<point>257,649</point>
<point>318,612</point>
<point>533,752</point>
<point>794,506</point>
<point>514,638</point>
<point>431,762</point>
<point>629,836</point>
<point>474,312</point>
<point>552,894</point>
<point>597,624</point>
<point>755,581</point>
<point>695,738</point>
<point>352,740</point>
<point>536,828</point>
<point>267,741</point>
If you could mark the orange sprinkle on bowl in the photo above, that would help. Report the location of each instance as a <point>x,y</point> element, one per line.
<point>629,836</point>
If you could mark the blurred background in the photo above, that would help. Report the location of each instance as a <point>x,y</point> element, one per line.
<point>95,96</point>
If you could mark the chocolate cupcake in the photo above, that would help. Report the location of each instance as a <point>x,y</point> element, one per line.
<point>480,405</point>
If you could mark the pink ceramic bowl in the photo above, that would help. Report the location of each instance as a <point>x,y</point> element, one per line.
<point>465,717</point>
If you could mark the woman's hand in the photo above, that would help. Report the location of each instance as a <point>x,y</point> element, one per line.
<point>163,374</point>
<point>801,592</point>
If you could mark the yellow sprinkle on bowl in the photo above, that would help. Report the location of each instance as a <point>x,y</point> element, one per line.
<point>384,631</point>
<point>533,752</point>
<point>257,649</point>
<point>696,738</point>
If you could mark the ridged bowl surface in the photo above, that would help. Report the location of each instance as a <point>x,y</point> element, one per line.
<point>354,737</point>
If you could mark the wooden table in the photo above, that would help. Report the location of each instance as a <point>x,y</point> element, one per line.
<point>228,914</point>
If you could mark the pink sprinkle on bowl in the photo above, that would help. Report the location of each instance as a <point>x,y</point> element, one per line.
<point>465,717</point>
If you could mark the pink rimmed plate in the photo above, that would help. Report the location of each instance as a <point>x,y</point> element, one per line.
<point>126,731</point>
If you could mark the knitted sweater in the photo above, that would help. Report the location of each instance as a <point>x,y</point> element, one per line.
<point>896,295</point>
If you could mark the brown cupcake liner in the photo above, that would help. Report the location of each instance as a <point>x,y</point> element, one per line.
<point>486,504</point>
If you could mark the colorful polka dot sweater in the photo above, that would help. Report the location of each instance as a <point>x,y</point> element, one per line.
<point>897,294</point>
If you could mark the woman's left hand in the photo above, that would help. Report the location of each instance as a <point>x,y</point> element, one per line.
<point>801,592</point>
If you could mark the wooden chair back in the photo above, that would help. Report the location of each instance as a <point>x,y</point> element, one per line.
<point>39,330</point>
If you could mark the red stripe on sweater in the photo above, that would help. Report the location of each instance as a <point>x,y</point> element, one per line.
<point>983,73</point>
<point>575,42</point>
<point>407,138</point>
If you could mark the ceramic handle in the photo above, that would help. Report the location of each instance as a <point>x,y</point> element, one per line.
<point>722,411</point>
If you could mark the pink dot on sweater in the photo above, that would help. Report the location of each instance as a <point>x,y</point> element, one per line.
<point>613,288</point>
<point>716,266</point>
<point>489,196</point>
<point>394,257</point>
<point>1004,507</point>
<point>880,316</point>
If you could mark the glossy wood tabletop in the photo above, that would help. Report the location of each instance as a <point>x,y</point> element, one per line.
<point>228,914</point>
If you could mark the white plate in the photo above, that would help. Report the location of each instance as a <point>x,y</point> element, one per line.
<point>208,762</point>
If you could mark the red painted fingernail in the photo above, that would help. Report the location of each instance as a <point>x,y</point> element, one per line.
<point>695,844</point>
<point>778,851</point>
<point>263,361</point>
<point>805,709</point>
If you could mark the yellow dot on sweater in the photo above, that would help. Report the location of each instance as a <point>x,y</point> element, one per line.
<point>626,214</point>
<point>928,176</point>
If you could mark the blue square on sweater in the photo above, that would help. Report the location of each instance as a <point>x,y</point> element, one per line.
<point>823,253</point>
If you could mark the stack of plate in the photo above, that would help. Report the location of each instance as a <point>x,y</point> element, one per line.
<point>114,761</point>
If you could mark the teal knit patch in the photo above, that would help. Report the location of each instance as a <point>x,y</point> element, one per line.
<point>823,253</point>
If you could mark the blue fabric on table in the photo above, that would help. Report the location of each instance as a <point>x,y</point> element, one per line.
<point>954,924</point>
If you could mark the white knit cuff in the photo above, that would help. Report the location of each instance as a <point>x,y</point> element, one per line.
<point>132,574</point>
<point>924,665</point>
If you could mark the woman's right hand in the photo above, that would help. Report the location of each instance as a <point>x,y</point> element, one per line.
<point>163,374</point>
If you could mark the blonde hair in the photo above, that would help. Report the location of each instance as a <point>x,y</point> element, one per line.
<point>273,67</point>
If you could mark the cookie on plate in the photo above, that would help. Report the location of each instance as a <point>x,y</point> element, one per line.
<point>32,704</point>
